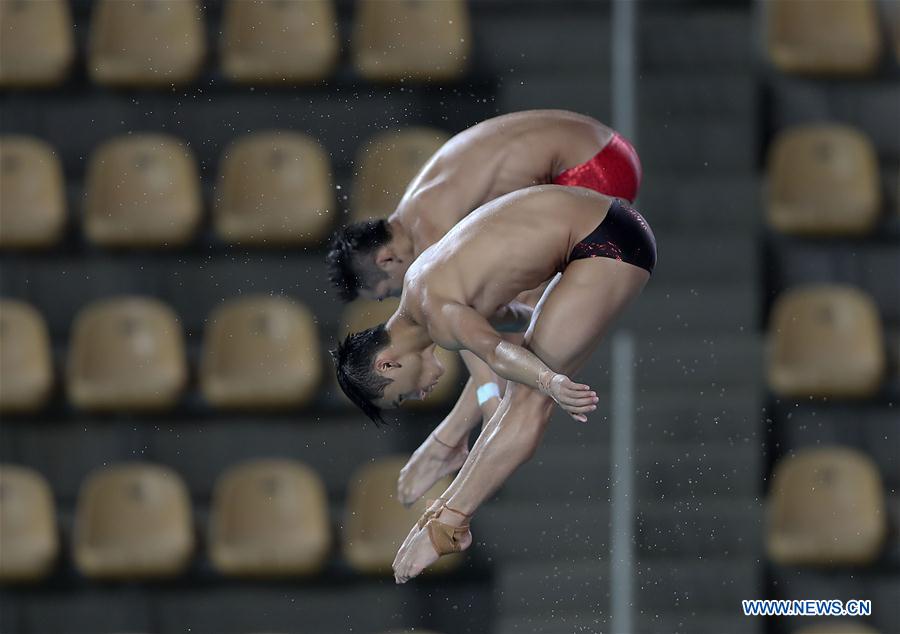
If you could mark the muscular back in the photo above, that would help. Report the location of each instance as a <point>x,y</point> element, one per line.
<point>507,246</point>
<point>493,158</point>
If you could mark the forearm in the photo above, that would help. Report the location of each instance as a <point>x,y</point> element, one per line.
<point>464,416</point>
<point>488,386</point>
<point>515,363</point>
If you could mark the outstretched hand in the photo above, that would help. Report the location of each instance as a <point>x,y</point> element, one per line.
<point>575,398</point>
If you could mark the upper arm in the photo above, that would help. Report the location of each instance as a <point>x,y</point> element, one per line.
<point>470,330</point>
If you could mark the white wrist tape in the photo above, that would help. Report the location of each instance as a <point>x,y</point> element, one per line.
<point>486,392</point>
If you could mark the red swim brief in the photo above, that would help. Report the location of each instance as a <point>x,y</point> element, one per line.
<point>614,171</point>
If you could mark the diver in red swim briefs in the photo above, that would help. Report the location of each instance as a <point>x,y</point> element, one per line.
<point>498,156</point>
<point>368,259</point>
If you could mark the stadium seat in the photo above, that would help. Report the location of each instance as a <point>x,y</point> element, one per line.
<point>386,165</point>
<point>823,179</point>
<point>364,314</point>
<point>825,341</point>
<point>133,521</point>
<point>269,518</point>
<point>32,194</point>
<point>395,40</point>
<point>839,37</point>
<point>26,361</point>
<point>29,541</point>
<point>143,190</point>
<point>375,523</point>
<point>273,41</point>
<point>36,43</point>
<point>126,353</point>
<point>842,626</point>
<point>146,42</point>
<point>826,508</point>
<point>260,352</point>
<point>274,188</point>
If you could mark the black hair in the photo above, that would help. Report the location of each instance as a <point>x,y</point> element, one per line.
<point>354,364</point>
<point>350,244</point>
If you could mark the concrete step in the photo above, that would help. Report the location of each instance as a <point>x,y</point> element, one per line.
<point>695,261</point>
<point>675,311</point>
<point>703,363</point>
<point>511,531</point>
<point>200,451</point>
<point>580,475</point>
<point>699,145</point>
<point>710,93</point>
<point>882,587</point>
<point>870,106</point>
<point>717,39</point>
<point>675,586</point>
<point>664,415</point>
<point>685,203</point>
<point>597,622</point>
<point>871,429</point>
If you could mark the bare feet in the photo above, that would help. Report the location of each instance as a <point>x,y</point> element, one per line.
<point>417,553</point>
<point>431,462</point>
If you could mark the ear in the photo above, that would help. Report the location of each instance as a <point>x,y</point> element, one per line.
<point>385,258</point>
<point>383,364</point>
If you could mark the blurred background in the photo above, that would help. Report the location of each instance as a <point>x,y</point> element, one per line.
<point>174,456</point>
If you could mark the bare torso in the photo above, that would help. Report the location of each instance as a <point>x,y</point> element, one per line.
<point>492,159</point>
<point>508,246</point>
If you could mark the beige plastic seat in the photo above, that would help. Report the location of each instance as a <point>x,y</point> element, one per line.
<point>276,41</point>
<point>375,523</point>
<point>826,508</point>
<point>29,541</point>
<point>387,164</point>
<point>143,190</point>
<point>841,626</point>
<point>261,352</point>
<point>825,340</point>
<point>133,521</point>
<point>410,39</point>
<point>838,37</point>
<point>274,188</point>
<point>26,361</point>
<point>269,518</point>
<point>823,179</point>
<point>36,43</point>
<point>363,314</point>
<point>126,353</point>
<point>146,42</point>
<point>32,193</point>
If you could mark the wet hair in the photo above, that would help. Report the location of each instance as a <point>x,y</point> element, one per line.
<point>354,363</point>
<point>348,269</point>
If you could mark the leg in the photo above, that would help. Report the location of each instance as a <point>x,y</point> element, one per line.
<point>568,325</point>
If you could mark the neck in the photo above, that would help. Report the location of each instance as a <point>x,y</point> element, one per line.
<point>406,334</point>
<point>401,241</point>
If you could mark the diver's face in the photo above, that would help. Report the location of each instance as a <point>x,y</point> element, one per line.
<point>414,375</point>
<point>387,287</point>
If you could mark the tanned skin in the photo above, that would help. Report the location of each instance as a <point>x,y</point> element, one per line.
<point>480,164</point>
<point>450,294</point>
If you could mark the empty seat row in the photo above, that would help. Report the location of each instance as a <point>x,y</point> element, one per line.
<point>826,340</point>
<point>144,190</point>
<point>268,518</point>
<point>826,507</point>
<point>163,42</point>
<point>128,354</point>
<point>823,180</point>
<point>838,37</point>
